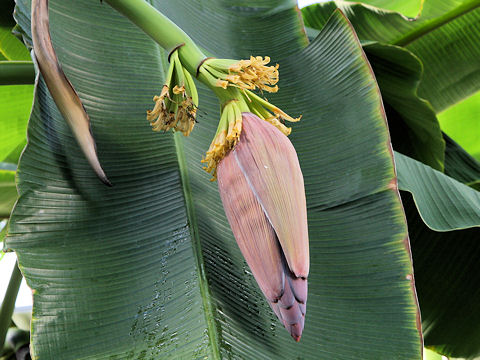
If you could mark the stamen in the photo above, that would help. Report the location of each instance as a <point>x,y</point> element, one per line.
<point>176,106</point>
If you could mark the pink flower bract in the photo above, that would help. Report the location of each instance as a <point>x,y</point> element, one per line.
<point>262,191</point>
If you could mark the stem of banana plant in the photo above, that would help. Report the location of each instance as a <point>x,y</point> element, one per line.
<point>8,304</point>
<point>169,36</point>
<point>161,29</point>
<point>17,73</point>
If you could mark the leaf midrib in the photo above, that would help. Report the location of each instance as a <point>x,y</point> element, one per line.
<point>197,247</point>
<point>434,24</point>
<point>193,227</point>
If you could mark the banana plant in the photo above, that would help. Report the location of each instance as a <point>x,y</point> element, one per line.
<point>149,268</point>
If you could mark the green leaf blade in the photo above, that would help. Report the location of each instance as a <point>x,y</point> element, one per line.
<point>10,47</point>
<point>106,264</point>
<point>413,125</point>
<point>458,209</point>
<point>410,8</point>
<point>452,45</point>
<point>125,261</point>
<point>444,37</point>
<point>446,269</point>
<point>248,329</point>
<point>14,112</point>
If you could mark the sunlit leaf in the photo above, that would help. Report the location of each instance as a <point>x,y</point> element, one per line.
<point>8,191</point>
<point>410,8</point>
<point>15,105</point>
<point>462,123</point>
<point>10,47</point>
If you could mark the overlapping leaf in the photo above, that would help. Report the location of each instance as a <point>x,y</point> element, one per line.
<point>444,37</point>
<point>15,104</point>
<point>10,47</point>
<point>149,268</point>
<point>443,203</point>
<point>414,128</point>
<point>107,265</point>
<point>446,49</point>
<point>460,165</point>
<point>448,282</point>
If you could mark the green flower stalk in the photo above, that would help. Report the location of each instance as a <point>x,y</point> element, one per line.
<point>233,81</point>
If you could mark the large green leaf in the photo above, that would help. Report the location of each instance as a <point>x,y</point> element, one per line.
<point>414,128</point>
<point>427,9</point>
<point>8,191</point>
<point>15,100</point>
<point>462,123</point>
<point>443,203</point>
<point>370,24</point>
<point>10,47</point>
<point>447,275</point>
<point>444,37</point>
<point>446,265</point>
<point>410,8</point>
<point>15,107</point>
<point>149,268</point>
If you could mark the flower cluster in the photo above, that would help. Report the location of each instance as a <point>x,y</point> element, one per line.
<point>244,74</point>
<point>228,133</point>
<point>234,82</point>
<point>176,106</point>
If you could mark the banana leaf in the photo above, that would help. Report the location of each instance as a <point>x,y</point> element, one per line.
<point>444,203</point>
<point>460,165</point>
<point>409,8</point>
<point>444,37</point>
<point>15,105</point>
<point>464,115</point>
<point>447,278</point>
<point>414,128</point>
<point>149,268</point>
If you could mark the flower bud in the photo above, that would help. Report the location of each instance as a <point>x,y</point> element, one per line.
<point>262,191</point>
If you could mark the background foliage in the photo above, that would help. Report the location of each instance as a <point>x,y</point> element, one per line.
<point>151,263</point>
